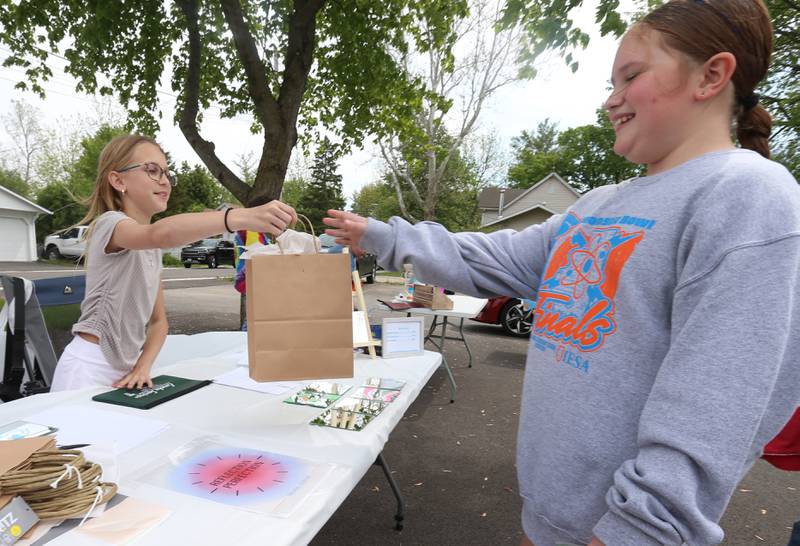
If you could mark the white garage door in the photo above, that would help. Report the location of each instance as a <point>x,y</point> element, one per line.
<point>14,246</point>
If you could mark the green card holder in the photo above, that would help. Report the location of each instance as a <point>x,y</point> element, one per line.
<point>165,388</point>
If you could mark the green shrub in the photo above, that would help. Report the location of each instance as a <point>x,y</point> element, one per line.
<point>168,260</point>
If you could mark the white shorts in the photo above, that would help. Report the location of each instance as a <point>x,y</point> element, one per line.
<point>82,365</point>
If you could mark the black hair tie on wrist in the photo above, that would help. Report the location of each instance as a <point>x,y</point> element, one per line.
<point>225,220</point>
<point>749,102</point>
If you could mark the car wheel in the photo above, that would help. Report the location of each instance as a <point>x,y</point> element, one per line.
<point>187,265</point>
<point>52,253</point>
<point>372,274</point>
<point>515,320</point>
<point>212,262</point>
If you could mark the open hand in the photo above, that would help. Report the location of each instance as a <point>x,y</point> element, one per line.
<point>136,379</point>
<point>348,228</point>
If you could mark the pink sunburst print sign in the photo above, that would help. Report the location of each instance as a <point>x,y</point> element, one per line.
<point>238,476</point>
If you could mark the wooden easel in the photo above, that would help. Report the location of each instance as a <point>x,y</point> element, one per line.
<point>358,296</point>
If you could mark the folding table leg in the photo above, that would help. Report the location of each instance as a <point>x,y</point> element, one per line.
<point>429,338</point>
<point>444,361</point>
<point>464,339</point>
<point>401,504</point>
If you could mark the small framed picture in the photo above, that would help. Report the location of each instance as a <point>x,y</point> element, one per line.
<point>403,336</point>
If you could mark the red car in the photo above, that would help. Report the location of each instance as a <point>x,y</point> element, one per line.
<point>509,313</point>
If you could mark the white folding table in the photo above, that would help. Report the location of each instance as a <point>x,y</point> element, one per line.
<point>464,307</point>
<point>246,419</point>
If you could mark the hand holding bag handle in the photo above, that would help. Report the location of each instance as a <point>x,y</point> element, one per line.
<point>310,227</point>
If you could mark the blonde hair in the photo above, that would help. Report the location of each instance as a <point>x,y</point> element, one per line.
<point>115,155</point>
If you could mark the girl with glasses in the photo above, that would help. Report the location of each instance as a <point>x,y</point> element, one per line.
<point>123,323</point>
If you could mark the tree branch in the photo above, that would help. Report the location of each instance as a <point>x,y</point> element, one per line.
<point>299,56</point>
<point>255,70</point>
<point>394,171</point>
<point>188,116</point>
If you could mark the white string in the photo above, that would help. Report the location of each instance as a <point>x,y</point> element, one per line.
<point>97,497</point>
<point>69,469</point>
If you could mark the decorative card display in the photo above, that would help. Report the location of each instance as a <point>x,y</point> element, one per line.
<point>372,393</point>
<point>383,383</point>
<point>361,405</point>
<point>339,418</point>
<point>320,395</point>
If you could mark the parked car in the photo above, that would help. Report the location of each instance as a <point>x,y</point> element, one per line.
<point>68,244</point>
<point>367,264</point>
<point>510,313</point>
<point>212,252</point>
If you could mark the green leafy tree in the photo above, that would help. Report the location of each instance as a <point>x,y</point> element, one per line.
<point>196,191</point>
<point>459,82</point>
<point>58,199</point>
<point>781,93</point>
<point>12,180</point>
<point>584,156</point>
<point>312,62</point>
<point>83,172</point>
<point>457,194</point>
<point>324,190</point>
<point>376,200</point>
<point>587,157</point>
<point>66,199</point>
<point>536,155</point>
<point>293,190</point>
<point>548,26</point>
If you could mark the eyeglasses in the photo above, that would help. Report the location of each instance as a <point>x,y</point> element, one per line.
<point>154,171</point>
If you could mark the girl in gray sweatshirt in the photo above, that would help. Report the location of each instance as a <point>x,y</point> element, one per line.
<point>666,339</point>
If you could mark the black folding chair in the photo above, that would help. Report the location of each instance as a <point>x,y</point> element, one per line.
<point>30,359</point>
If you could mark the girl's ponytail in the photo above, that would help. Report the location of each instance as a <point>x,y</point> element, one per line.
<point>753,127</point>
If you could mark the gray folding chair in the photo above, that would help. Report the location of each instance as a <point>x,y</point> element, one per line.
<point>29,357</point>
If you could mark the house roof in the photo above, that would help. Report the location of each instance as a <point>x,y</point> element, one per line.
<point>490,197</point>
<point>523,211</point>
<point>31,206</point>
<point>509,202</point>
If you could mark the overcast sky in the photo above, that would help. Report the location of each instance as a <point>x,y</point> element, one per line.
<point>556,93</point>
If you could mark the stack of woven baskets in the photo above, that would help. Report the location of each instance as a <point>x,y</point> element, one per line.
<point>58,484</point>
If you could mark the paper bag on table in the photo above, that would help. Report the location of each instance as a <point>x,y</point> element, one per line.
<point>299,320</point>
<point>16,452</point>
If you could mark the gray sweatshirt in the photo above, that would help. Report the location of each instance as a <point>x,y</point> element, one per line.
<point>665,347</point>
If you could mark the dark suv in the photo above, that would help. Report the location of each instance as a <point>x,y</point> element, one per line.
<point>212,252</point>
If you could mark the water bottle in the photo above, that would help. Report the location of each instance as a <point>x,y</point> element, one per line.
<point>408,276</point>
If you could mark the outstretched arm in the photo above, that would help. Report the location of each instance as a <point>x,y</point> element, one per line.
<point>273,217</point>
<point>505,262</point>
<point>347,227</point>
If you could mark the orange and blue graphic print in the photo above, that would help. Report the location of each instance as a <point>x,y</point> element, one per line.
<point>575,308</point>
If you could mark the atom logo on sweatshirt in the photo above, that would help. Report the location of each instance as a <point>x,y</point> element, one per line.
<point>575,306</point>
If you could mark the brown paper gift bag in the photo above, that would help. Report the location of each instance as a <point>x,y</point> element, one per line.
<point>299,316</point>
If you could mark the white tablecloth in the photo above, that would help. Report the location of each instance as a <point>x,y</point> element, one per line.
<point>250,420</point>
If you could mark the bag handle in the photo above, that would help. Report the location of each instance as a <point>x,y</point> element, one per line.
<point>310,227</point>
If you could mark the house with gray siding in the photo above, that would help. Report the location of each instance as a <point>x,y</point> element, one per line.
<point>508,208</point>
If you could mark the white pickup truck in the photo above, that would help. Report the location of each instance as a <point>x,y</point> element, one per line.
<point>69,243</point>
